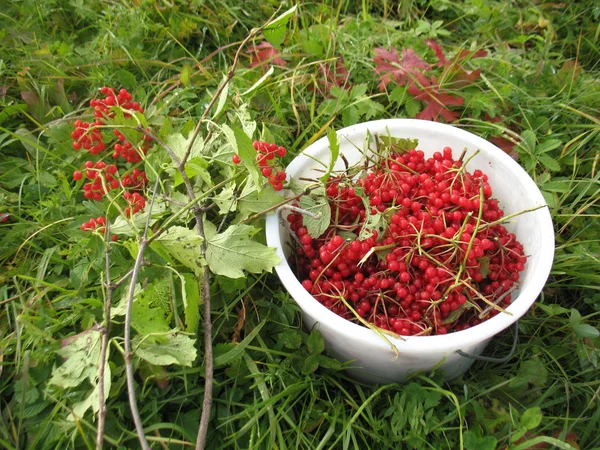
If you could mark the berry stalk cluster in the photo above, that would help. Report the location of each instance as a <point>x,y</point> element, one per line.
<point>96,138</point>
<point>438,261</point>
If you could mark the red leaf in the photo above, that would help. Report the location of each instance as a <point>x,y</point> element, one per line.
<point>439,53</point>
<point>391,68</point>
<point>336,77</point>
<point>454,69</point>
<point>437,102</point>
<point>264,53</point>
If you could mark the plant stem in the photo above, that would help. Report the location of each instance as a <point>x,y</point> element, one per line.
<point>105,331</point>
<point>139,260</point>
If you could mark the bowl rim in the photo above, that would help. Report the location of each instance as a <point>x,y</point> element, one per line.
<point>451,341</point>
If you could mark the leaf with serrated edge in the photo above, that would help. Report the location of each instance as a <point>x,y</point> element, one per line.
<point>184,245</point>
<point>233,251</point>
<point>172,348</point>
<point>82,356</point>
<point>316,203</point>
<point>251,201</point>
<point>179,145</point>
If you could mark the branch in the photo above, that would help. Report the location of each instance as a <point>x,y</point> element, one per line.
<point>253,33</point>
<point>203,286</point>
<point>105,331</point>
<point>139,260</point>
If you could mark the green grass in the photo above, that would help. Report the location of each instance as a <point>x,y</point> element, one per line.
<point>540,76</point>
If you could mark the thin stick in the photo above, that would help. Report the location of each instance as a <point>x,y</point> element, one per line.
<point>128,353</point>
<point>105,332</point>
<point>204,287</point>
<point>253,33</point>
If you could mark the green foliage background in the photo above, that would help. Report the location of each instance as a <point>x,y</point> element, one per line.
<point>277,388</point>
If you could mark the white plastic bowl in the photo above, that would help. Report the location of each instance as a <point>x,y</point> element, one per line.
<point>372,358</point>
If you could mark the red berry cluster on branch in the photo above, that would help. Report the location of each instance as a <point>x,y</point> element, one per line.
<point>105,177</point>
<point>266,158</point>
<point>440,261</point>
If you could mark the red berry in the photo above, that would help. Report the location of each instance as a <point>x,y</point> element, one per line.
<point>236,159</point>
<point>77,175</point>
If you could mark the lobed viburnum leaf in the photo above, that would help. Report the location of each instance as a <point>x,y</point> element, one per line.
<point>232,252</point>
<point>82,356</point>
<point>184,245</point>
<point>180,144</point>
<point>166,349</point>
<point>316,202</point>
<point>252,200</point>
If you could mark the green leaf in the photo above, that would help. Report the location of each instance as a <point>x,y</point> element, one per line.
<point>82,356</point>
<point>549,163</point>
<point>291,339</point>
<point>398,95</point>
<point>260,81</point>
<point>237,349</point>
<point>311,363</point>
<point>185,75</point>
<point>316,203</point>
<point>373,222</point>
<point>233,251</point>
<point>315,342</point>
<point>334,152</point>
<point>251,201</point>
<point>242,145</point>
<point>167,349</point>
<point>274,32</point>
<point>548,145</point>
<point>531,418</point>
<point>179,145</point>
<point>532,371</point>
<point>184,245</point>
<point>126,79</point>
<point>350,116</point>
<point>474,442</point>
<point>194,166</point>
<point>553,309</point>
<point>147,318</point>
<point>329,363</point>
<point>192,305</point>
<point>222,98</point>
<point>412,107</point>
<point>395,144</point>
<point>93,400</point>
<point>528,144</point>
<point>584,330</point>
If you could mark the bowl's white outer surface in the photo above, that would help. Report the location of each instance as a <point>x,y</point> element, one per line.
<point>374,360</point>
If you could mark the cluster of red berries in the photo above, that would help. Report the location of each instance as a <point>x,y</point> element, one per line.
<point>136,180</point>
<point>123,99</point>
<point>266,155</point>
<point>103,177</point>
<point>88,136</point>
<point>136,201</point>
<point>440,261</point>
<point>97,224</point>
<point>97,172</point>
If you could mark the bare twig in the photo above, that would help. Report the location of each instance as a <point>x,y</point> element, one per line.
<point>105,332</point>
<point>127,344</point>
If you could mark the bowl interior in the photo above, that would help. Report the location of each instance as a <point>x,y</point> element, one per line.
<point>511,186</point>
